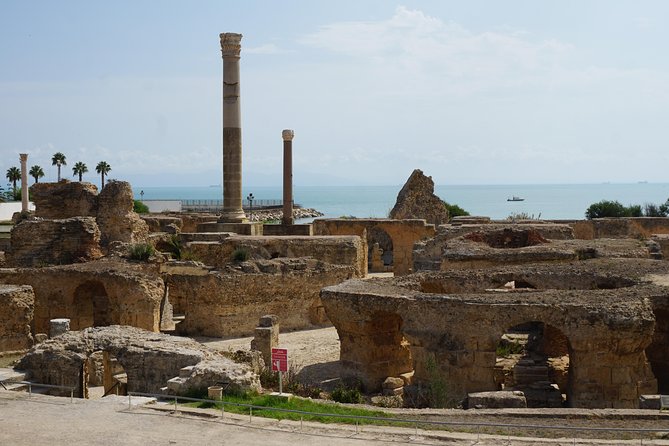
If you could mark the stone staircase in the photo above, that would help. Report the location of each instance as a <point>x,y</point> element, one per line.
<point>174,384</point>
<point>11,379</point>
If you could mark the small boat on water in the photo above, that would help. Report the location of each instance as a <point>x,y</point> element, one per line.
<point>514,198</point>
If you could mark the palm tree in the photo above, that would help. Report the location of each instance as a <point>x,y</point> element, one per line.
<point>103,169</point>
<point>58,159</point>
<point>13,175</point>
<point>36,172</point>
<point>79,169</point>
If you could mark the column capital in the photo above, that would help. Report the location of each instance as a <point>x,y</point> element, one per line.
<point>287,135</point>
<point>231,44</point>
<point>23,157</point>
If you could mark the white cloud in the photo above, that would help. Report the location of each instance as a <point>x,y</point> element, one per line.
<point>268,48</point>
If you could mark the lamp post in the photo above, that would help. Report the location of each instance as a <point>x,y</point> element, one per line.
<point>250,198</point>
<point>141,194</point>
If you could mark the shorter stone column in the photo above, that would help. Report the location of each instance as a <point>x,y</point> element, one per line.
<point>266,337</point>
<point>287,176</point>
<point>24,181</point>
<point>58,327</point>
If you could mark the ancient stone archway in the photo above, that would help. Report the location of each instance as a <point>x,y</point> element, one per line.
<point>534,357</point>
<point>91,306</point>
<point>380,250</point>
<point>658,353</point>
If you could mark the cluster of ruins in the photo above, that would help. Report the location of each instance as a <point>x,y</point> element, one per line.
<point>581,307</point>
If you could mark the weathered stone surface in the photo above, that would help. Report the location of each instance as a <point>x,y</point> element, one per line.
<point>149,359</point>
<point>92,294</point>
<point>492,244</point>
<point>395,237</point>
<point>162,223</point>
<point>54,242</point>
<point>416,199</point>
<point>64,199</point>
<point>116,218</point>
<point>337,250</point>
<point>496,400</point>
<point>16,315</point>
<point>238,377</point>
<point>229,303</point>
<point>606,309</point>
<point>633,227</point>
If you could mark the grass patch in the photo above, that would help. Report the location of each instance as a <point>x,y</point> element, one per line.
<point>296,404</point>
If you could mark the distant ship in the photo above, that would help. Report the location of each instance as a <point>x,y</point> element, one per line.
<point>514,198</point>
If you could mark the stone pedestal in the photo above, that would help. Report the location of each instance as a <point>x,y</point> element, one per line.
<point>58,327</point>
<point>266,337</point>
<point>287,136</point>
<point>232,131</point>
<point>24,182</point>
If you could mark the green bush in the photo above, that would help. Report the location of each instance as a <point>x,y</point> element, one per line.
<point>454,210</point>
<point>240,255</point>
<point>607,208</point>
<point>140,207</point>
<point>348,395</point>
<point>141,251</point>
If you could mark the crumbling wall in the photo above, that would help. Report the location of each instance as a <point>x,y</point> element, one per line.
<point>54,242</point>
<point>454,336</point>
<point>16,314</point>
<point>416,199</point>
<point>339,250</point>
<point>403,233</point>
<point>64,199</point>
<point>94,293</point>
<point>632,227</point>
<point>116,218</point>
<point>229,303</point>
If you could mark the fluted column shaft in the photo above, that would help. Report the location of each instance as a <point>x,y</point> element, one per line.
<point>24,181</point>
<point>232,131</point>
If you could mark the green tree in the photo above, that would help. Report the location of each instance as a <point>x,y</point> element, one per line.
<point>13,175</point>
<point>607,208</point>
<point>454,210</point>
<point>36,172</point>
<point>103,169</point>
<point>79,169</point>
<point>58,159</point>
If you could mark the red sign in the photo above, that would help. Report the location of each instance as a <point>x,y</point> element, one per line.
<point>279,360</point>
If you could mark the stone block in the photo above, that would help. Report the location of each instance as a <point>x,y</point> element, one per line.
<point>650,402</point>
<point>496,400</point>
<point>392,383</point>
<point>58,327</point>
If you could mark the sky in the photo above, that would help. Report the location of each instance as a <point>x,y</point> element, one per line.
<point>475,92</point>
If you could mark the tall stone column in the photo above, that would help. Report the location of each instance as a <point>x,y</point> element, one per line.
<point>24,181</point>
<point>287,176</point>
<point>232,131</point>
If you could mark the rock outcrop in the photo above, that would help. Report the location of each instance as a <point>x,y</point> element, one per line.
<point>17,304</point>
<point>417,200</point>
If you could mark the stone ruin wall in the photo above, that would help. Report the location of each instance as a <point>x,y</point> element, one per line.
<point>230,303</point>
<point>633,227</point>
<point>17,304</point>
<point>344,250</point>
<point>73,223</point>
<point>54,242</point>
<point>390,330</point>
<point>403,233</point>
<point>91,294</point>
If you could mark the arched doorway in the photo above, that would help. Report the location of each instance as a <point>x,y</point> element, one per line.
<point>534,357</point>
<point>380,250</point>
<point>91,305</point>
<point>658,353</point>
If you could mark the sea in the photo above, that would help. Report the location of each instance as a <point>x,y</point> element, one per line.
<point>545,201</point>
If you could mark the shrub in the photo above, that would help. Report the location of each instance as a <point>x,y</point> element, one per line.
<point>508,348</point>
<point>140,207</point>
<point>454,210</point>
<point>607,208</point>
<point>348,395</point>
<point>240,255</point>
<point>654,210</point>
<point>141,251</point>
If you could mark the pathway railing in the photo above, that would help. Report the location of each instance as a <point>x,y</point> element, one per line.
<point>31,384</point>
<point>402,421</point>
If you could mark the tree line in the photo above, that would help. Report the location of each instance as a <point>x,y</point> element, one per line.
<point>58,159</point>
